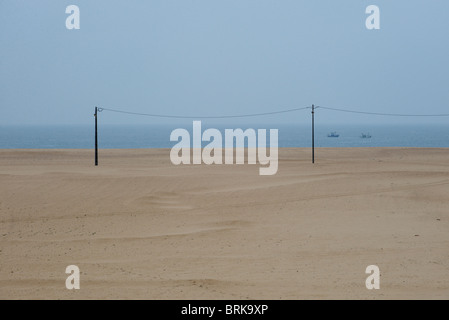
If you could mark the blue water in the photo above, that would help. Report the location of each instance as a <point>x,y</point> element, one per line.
<point>158,136</point>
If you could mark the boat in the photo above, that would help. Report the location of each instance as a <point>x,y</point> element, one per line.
<point>365,136</point>
<point>333,134</point>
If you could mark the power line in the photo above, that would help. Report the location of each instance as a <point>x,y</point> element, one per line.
<point>203,117</point>
<point>272,113</point>
<point>256,115</point>
<point>387,114</point>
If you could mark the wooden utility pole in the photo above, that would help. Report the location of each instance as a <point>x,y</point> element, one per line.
<point>96,137</point>
<point>313,133</point>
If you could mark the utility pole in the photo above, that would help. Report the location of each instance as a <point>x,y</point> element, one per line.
<point>313,133</point>
<point>96,137</point>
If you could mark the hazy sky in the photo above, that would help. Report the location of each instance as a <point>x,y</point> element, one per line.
<point>206,57</point>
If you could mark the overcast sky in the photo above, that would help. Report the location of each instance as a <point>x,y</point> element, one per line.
<point>208,57</point>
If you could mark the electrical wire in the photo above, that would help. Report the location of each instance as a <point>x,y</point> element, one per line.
<point>387,114</point>
<point>203,117</point>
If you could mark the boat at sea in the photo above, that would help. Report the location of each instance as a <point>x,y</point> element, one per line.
<point>333,134</point>
<point>365,136</point>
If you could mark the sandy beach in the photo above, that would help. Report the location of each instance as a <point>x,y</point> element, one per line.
<point>139,227</point>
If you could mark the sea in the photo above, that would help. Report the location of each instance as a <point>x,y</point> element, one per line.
<point>158,136</point>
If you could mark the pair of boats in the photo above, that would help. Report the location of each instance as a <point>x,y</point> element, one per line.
<point>365,136</point>
<point>334,134</point>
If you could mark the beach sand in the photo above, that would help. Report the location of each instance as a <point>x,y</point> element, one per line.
<point>139,227</point>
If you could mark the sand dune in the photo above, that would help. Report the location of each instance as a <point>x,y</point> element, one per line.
<point>139,227</point>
